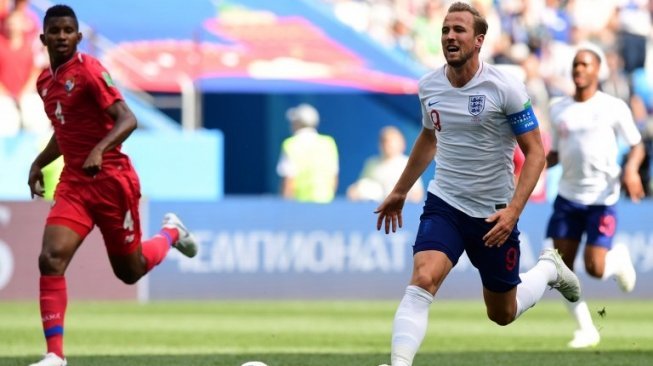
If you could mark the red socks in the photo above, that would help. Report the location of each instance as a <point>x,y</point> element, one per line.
<point>53,299</point>
<point>156,248</point>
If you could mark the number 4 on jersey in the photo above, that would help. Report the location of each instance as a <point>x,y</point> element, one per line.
<point>128,223</point>
<point>58,113</point>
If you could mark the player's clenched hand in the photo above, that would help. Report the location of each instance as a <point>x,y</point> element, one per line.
<point>390,212</point>
<point>35,181</point>
<point>505,221</point>
<point>93,163</point>
<point>634,186</point>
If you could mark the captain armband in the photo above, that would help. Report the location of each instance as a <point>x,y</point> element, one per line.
<point>524,121</point>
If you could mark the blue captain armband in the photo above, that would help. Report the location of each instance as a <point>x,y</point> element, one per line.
<point>522,122</point>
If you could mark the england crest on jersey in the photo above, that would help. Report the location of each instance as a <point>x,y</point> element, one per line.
<point>476,104</point>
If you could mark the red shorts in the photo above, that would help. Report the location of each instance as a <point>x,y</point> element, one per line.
<point>110,203</point>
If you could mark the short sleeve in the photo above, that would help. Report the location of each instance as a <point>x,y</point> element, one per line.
<point>626,127</point>
<point>105,91</point>
<point>518,108</point>
<point>426,118</point>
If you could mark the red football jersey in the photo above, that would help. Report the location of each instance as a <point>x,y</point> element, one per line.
<point>76,96</point>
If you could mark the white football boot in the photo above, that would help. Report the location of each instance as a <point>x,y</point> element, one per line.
<point>566,283</point>
<point>626,276</point>
<point>51,359</point>
<point>186,243</point>
<point>584,338</point>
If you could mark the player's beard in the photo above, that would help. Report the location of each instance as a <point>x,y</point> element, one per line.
<point>462,60</point>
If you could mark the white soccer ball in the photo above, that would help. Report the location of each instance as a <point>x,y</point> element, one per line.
<point>254,363</point>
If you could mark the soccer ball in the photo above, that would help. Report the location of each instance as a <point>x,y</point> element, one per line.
<point>254,363</point>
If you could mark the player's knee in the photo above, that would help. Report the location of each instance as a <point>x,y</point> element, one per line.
<point>501,318</point>
<point>51,263</point>
<point>424,281</point>
<point>128,277</point>
<point>593,270</point>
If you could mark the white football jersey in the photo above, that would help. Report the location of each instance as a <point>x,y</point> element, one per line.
<point>475,127</point>
<point>586,137</point>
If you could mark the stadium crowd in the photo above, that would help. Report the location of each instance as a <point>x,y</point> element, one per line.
<point>535,39</point>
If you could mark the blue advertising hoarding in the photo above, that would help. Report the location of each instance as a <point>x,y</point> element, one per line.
<point>266,248</point>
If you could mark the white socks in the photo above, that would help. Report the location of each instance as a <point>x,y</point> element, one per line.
<point>581,313</point>
<point>614,260</point>
<point>409,325</point>
<point>533,284</point>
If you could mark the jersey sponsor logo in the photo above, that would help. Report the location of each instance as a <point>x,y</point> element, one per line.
<point>476,104</point>
<point>69,85</point>
<point>432,102</point>
<point>107,79</point>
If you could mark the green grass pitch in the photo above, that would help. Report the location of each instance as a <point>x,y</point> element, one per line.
<point>321,333</point>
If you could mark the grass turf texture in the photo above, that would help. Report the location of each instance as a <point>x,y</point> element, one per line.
<point>321,333</point>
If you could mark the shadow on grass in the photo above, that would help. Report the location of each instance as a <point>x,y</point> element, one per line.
<point>516,358</point>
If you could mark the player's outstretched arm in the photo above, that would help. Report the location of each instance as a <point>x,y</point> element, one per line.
<point>420,157</point>
<point>35,177</point>
<point>124,126</point>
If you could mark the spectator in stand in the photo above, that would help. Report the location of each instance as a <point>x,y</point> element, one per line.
<point>617,82</point>
<point>21,61</point>
<point>427,31</point>
<point>381,173</point>
<point>634,28</point>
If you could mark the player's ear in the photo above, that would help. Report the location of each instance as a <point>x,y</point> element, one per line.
<point>42,38</point>
<point>80,36</point>
<point>479,40</point>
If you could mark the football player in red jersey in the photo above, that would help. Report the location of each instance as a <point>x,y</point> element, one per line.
<point>98,185</point>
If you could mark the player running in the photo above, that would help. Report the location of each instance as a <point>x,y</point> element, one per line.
<point>98,185</point>
<point>585,140</point>
<point>473,117</point>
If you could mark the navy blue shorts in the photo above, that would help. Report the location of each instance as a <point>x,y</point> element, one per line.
<point>570,220</point>
<point>450,231</point>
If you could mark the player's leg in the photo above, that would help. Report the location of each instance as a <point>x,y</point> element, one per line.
<point>603,258</point>
<point>566,227</point>
<point>498,267</point>
<point>586,334</point>
<point>59,245</point>
<point>437,248</point>
<point>67,226</point>
<point>117,215</point>
<point>507,293</point>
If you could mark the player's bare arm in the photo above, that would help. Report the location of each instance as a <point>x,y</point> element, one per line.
<point>631,178</point>
<point>505,220</point>
<point>420,157</point>
<point>124,126</point>
<point>552,158</point>
<point>47,156</point>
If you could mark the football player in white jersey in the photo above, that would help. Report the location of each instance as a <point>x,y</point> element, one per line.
<point>585,132</point>
<point>473,116</point>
